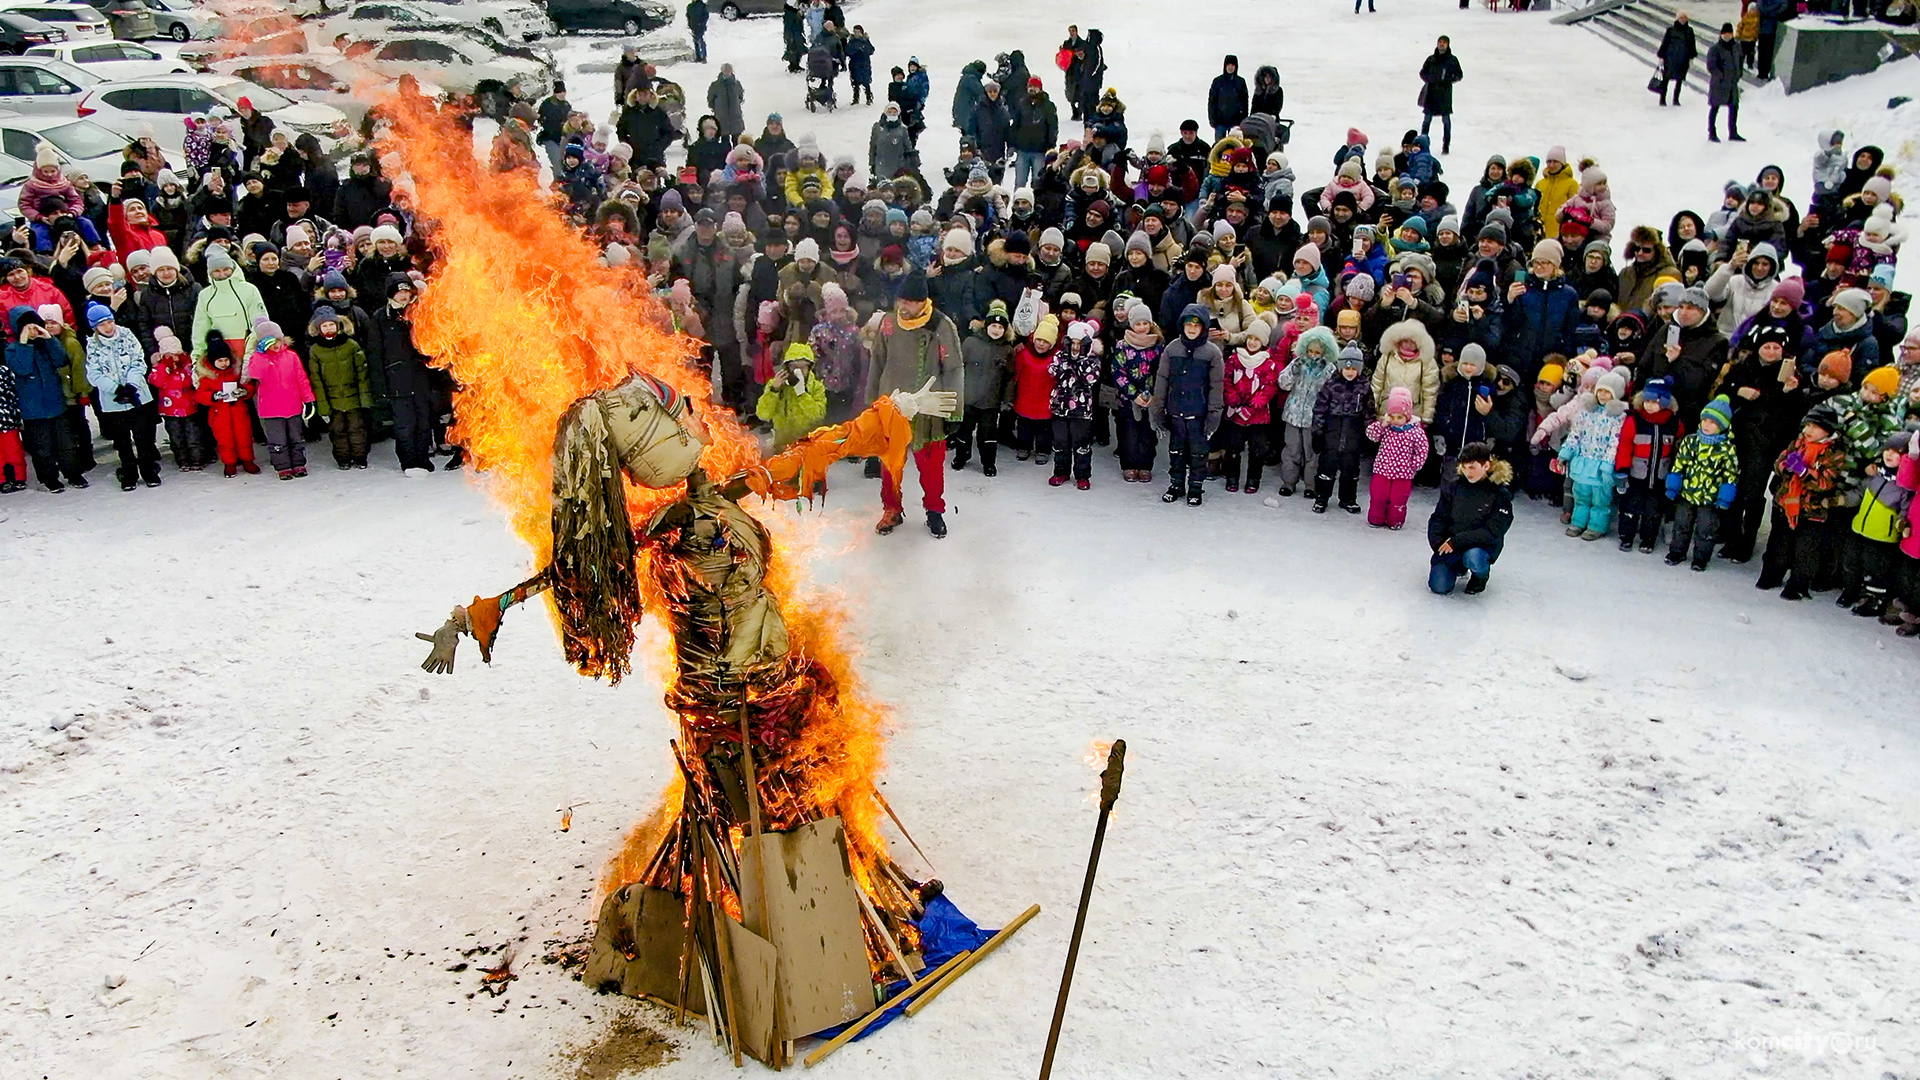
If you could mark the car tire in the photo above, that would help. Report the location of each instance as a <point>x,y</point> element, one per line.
<point>179,32</point>
<point>631,27</point>
<point>730,12</point>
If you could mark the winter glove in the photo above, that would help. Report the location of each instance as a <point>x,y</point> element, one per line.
<point>1673,485</point>
<point>1439,446</point>
<point>1619,483</point>
<point>125,394</point>
<point>307,413</point>
<point>1319,442</point>
<point>445,641</point>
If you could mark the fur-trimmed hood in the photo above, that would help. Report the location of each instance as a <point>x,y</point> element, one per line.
<point>1406,330</point>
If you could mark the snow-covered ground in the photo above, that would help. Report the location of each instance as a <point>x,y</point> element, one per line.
<point>1611,819</point>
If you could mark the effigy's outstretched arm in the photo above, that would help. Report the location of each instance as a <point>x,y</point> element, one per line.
<point>884,430</point>
<point>479,620</point>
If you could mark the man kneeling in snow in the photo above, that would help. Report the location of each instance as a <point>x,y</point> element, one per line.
<point>1470,521</point>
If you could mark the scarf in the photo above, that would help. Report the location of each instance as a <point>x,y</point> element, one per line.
<point>906,323</point>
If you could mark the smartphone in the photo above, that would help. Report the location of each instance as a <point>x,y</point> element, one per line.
<point>1399,281</point>
<point>1673,334</point>
<point>1520,275</point>
<point>1486,391</point>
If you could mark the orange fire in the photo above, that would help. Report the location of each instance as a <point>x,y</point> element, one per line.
<point>521,312</point>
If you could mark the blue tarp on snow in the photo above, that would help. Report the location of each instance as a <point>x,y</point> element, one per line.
<point>944,934</point>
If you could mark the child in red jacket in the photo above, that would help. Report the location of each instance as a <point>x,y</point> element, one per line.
<point>172,378</point>
<point>1647,443</point>
<point>1033,392</point>
<point>218,386</point>
<point>1252,379</point>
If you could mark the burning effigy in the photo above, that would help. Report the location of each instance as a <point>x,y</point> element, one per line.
<point>761,895</point>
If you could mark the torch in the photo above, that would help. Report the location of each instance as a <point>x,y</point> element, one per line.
<point>1109,793</point>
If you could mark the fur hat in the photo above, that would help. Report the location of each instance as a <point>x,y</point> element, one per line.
<point>1884,379</point>
<point>1406,330</point>
<point>1399,401</point>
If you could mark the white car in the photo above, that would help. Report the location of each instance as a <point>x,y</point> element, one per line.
<point>165,101</point>
<point>13,177</point>
<point>183,20</point>
<point>38,84</point>
<point>461,67</point>
<point>82,144</point>
<point>81,22</point>
<point>111,59</point>
<point>321,78</point>
<point>375,19</point>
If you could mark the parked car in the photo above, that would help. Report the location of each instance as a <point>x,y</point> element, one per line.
<point>461,67</point>
<point>324,79</point>
<point>182,20</point>
<point>130,19</point>
<point>630,17</point>
<point>166,100</point>
<point>520,20</point>
<point>265,34</point>
<point>18,32</point>
<point>111,59</point>
<point>736,9</point>
<point>35,84</point>
<point>534,51</point>
<point>78,20</point>
<point>375,19</point>
<point>80,143</point>
<point>13,177</point>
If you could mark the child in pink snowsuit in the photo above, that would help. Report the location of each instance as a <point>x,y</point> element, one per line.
<point>1403,450</point>
<point>282,395</point>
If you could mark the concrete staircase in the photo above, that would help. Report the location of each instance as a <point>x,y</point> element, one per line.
<point>1635,27</point>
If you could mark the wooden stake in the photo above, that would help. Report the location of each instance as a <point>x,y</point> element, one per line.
<point>1109,794</point>
<point>892,945</point>
<point>724,952</point>
<point>866,1021</point>
<point>888,807</point>
<point>950,977</point>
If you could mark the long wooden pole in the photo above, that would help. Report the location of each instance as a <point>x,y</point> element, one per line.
<point>1109,793</point>
<point>979,954</point>
<point>866,1021</point>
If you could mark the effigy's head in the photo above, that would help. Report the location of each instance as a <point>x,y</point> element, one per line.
<point>654,429</point>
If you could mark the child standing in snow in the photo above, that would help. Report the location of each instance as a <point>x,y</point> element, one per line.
<point>1252,380</point>
<point>1313,359</point>
<point>1539,479</point>
<point>342,388</point>
<point>1340,416</point>
<point>1904,612</point>
<point>172,377</point>
<point>1873,558</point>
<point>218,386</point>
<point>1703,484</point>
<point>1076,379</point>
<point>1135,360</point>
<point>1033,392</point>
<point>283,396</point>
<point>1403,450</point>
<point>840,356</point>
<point>1808,486</point>
<point>117,368</point>
<point>1587,457</point>
<point>1646,452</point>
<point>13,452</point>
<point>794,401</point>
<point>986,355</point>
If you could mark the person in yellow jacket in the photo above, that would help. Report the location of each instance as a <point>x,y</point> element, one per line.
<point>1558,183</point>
<point>794,401</point>
<point>229,304</point>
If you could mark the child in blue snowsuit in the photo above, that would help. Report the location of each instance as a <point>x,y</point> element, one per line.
<point>1588,457</point>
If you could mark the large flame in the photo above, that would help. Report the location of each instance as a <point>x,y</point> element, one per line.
<point>522,313</point>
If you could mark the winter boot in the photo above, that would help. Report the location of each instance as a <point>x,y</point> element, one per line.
<point>1646,546</point>
<point>1475,584</point>
<point>1193,498</point>
<point>1894,614</point>
<point>873,469</point>
<point>1675,558</point>
<point>1849,596</point>
<point>1872,605</point>
<point>1700,565</point>
<point>1626,542</point>
<point>1083,485</point>
<point>889,521</point>
<point>232,471</point>
<point>988,470</point>
<point>1320,504</point>
<point>1172,494</point>
<point>1056,480</point>
<point>959,462</point>
<point>936,524</point>
<point>1350,507</point>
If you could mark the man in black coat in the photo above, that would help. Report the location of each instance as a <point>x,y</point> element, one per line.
<point>697,26</point>
<point>402,371</point>
<point>646,127</point>
<point>1437,77</point>
<point>1271,245</point>
<point>1035,130</point>
<point>1470,521</point>
<point>361,195</point>
<point>1676,53</point>
<point>1073,46</point>
<point>1227,99</point>
<point>991,125</point>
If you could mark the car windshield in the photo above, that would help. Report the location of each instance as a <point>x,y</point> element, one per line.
<point>84,139</point>
<point>267,101</point>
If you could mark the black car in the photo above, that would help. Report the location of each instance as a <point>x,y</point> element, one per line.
<point>18,33</point>
<point>630,17</point>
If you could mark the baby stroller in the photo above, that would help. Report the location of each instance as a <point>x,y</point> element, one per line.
<point>822,69</point>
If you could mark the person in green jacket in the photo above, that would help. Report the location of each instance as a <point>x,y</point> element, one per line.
<point>343,394</point>
<point>229,304</point>
<point>794,402</point>
<point>1702,484</point>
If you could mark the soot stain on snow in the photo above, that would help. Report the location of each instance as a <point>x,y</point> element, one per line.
<point>626,1046</point>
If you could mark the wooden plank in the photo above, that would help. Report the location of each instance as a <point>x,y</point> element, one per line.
<point>979,954</point>
<point>755,969</point>
<point>866,1021</point>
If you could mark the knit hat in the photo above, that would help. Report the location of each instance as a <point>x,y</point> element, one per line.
<point>1449,223</point>
<point>1883,276</point>
<point>807,250</point>
<point>957,240</point>
<point>1660,393</point>
<point>1823,416</point>
<point>1548,250</point>
<point>1048,331</point>
<point>1884,379</point>
<point>1552,373</point>
<point>1347,317</point>
<point>1792,290</point>
<point>1472,353</point>
<point>265,330</point>
<point>1258,334</point>
<point>1070,299</point>
<point>1138,312</point>
<point>1418,224</point>
<point>44,156</point>
<point>1224,274</point>
<point>913,288</point>
<point>1399,399</point>
<point>1053,236</point>
<point>1351,357</point>
<point>1360,287</point>
<point>1855,301</point>
<point>1098,252</point>
<point>1614,382</point>
<point>1669,295</point>
<point>1696,297</point>
<point>98,313</point>
<point>833,298</point>
<point>166,341</point>
<point>1837,365</point>
<point>1308,252</point>
<point>387,232</point>
<point>1879,186</point>
<point>996,312</point>
<point>1304,306</point>
<point>98,275</point>
<point>1493,230</point>
<point>50,313</point>
<point>1139,242</point>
